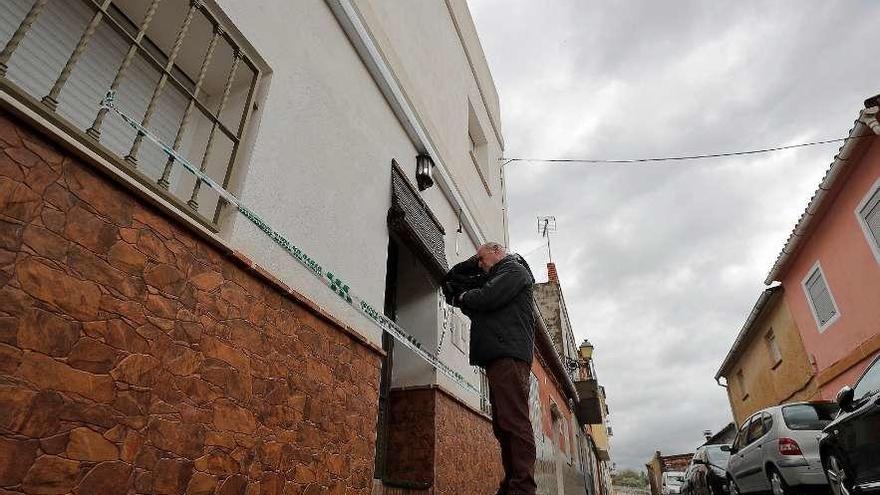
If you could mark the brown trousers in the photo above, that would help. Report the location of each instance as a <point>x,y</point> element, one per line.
<point>509,393</point>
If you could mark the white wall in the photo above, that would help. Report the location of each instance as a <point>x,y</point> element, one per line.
<point>422,45</point>
<point>319,165</point>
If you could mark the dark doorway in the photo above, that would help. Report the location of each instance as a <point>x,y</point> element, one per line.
<point>390,310</point>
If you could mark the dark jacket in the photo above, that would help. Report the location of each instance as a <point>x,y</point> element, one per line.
<point>501,312</point>
<point>461,278</point>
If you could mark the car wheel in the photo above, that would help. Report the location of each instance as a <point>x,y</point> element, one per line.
<point>777,484</point>
<point>836,477</point>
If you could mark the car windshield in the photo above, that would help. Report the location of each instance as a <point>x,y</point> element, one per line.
<point>717,456</point>
<point>809,416</point>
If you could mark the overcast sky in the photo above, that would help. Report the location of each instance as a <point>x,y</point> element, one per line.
<point>661,264</point>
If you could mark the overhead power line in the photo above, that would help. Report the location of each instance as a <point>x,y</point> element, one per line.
<point>676,158</point>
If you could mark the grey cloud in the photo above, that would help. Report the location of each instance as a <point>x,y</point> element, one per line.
<point>661,264</point>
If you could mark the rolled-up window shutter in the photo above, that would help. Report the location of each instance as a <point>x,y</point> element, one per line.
<point>36,64</point>
<point>820,296</point>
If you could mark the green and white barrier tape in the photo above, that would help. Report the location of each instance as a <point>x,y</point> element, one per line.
<point>332,280</point>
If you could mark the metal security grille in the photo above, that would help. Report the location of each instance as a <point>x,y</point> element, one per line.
<point>871,216</point>
<point>485,405</point>
<point>174,66</point>
<point>820,297</point>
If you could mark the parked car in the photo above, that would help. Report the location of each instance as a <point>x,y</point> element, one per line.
<point>850,445</point>
<point>670,483</point>
<point>685,488</point>
<point>777,449</point>
<point>707,473</point>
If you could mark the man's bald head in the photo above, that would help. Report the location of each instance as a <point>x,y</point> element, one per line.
<point>489,254</point>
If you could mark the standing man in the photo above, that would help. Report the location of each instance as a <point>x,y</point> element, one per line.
<point>503,342</point>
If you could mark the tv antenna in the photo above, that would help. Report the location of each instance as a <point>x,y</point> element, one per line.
<point>547,226</point>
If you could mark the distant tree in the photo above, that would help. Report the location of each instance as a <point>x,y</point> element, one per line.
<point>630,477</point>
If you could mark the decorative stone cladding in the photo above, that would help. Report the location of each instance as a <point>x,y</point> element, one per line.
<point>468,458</point>
<point>411,435</point>
<point>138,358</point>
<point>438,442</point>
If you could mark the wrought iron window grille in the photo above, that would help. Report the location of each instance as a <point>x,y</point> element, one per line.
<point>176,67</point>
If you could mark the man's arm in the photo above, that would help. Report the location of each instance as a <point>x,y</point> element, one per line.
<point>498,291</point>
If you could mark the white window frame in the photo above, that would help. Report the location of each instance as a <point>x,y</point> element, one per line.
<point>741,382</point>
<point>773,348</point>
<point>818,266</point>
<point>869,237</point>
<point>478,148</point>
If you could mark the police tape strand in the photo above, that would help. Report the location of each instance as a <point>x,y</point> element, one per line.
<point>330,279</point>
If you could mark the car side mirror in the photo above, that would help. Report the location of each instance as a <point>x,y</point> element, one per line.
<point>699,461</point>
<point>726,448</point>
<point>845,398</point>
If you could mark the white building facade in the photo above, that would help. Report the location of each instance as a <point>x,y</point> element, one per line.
<point>365,132</point>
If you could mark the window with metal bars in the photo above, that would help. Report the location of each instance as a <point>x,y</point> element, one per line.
<point>868,214</point>
<point>819,296</point>
<point>485,404</point>
<point>175,67</point>
<point>460,332</point>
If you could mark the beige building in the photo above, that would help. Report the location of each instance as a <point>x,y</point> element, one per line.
<point>767,364</point>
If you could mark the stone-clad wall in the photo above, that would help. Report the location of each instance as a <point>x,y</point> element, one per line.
<point>136,358</point>
<point>468,457</point>
<point>411,437</point>
<point>437,441</point>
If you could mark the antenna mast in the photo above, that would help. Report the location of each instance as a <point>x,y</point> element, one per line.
<point>546,226</point>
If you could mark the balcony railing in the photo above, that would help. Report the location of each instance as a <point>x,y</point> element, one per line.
<point>174,65</point>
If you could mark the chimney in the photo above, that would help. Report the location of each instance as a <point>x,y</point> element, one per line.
<point>552,276</point>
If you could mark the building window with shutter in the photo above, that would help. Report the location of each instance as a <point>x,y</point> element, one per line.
<point>773,349</point>
<point>175,66</point>
<point>868,214</point>
<point>819,297</point>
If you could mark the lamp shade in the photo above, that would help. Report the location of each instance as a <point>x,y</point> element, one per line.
<point>424,172</point>
<point>586,350</point>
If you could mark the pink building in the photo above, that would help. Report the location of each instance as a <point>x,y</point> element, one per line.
<point>830,265</point>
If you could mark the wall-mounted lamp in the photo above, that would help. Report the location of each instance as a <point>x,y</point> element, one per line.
<point>424,172</point>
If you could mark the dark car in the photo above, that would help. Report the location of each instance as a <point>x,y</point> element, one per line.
<point>850,445</point>
<point>706,474</point>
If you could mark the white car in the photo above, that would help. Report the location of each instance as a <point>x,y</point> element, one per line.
<point>777,450</point>
<point>670,483</point>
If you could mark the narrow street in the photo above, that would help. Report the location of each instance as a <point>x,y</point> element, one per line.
<point>446,247</point>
